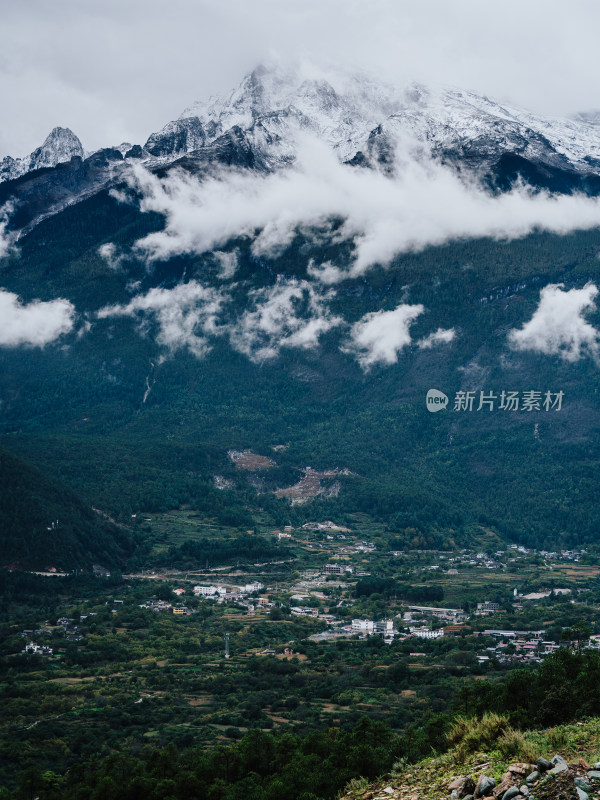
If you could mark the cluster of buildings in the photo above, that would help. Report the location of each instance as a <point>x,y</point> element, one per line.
<point>328,525</point>
<point>221,593</point>
<point>517,646</point>
<point>370,627</point>
<point>218,594</point>
<point>64,625</point>
<point>451,615</point>
<point>564,555</point>
<point>157,605</point>
<point>31,648</point>
<point>336,569</point>
<point>496,561</point>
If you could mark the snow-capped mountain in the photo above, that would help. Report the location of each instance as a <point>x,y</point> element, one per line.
<point>361,119</point>
<point>271,104</point>
<point>470,126</point>
<point>60,145</point>
<point>354,113</point>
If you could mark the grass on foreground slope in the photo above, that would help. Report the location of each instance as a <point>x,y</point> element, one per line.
<point>486,747</point>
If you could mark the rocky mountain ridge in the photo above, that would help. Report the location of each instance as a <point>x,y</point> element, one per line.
<point>361,119</point>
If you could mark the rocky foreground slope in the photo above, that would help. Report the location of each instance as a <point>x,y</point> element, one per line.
<point>557,764</point>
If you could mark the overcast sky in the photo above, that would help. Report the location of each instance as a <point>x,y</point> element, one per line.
<point>117,70</point>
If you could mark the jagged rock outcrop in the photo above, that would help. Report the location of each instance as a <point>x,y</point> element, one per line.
<point>180,136</point>
<point>60,146</point>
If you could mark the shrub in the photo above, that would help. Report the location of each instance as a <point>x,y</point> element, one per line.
<point>512,744</point>
<point>557,738</point>
<point>471,734</point>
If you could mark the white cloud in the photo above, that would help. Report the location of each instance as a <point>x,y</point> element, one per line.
<point>558,326</point>
<point>440,336</point>
<point>290,314</point>
<point>378,337</point>
<point>37,323</point>
<point>7,239</point>
<point>228,263</point>
<point>186,315</point>
<point>108,252</point>
<point>422,204</point>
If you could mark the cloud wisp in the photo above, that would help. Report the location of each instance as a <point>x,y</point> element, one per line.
<point>378,337</point>
<point>422,204</point>
<point>36,324</point>
<point>290,314</point>
<point>558,326</point>
<point>109,254</point>
<point>186,315</point>
<point>190,315</point>
<point>441,336</point>
<point>7,238</point>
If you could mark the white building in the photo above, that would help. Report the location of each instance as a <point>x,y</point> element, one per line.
<point>209,591</point>
<point>384,627</point>
<point>425,633</point>
<point>39,650</point>
<point>252,587</point>
<point>363,626</point>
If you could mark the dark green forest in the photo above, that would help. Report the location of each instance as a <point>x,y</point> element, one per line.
<point>75,410</point>
<point>319,765</point>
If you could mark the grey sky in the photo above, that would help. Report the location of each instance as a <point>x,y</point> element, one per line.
<point>115,70</point>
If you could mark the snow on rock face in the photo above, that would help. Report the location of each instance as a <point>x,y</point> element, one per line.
<point>270,104</point>
<point>361,118</point>
<point>352,112</point>
<point>60,145</point>
<point>469,125</point>
<point>180,136</point>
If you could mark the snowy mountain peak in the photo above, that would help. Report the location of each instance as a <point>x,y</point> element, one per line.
<point>60,145</point>
<point>339,107</point>
<point>363,120</point>
<point>355,113</point>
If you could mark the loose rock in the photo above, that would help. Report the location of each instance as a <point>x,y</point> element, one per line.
<point>484,786</point>
<point>543,764</point>
<point>462,786</point>
<point>560,767</point>
<point>504,785</point>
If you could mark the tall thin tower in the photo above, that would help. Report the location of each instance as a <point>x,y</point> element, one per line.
<point>226,645</point>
